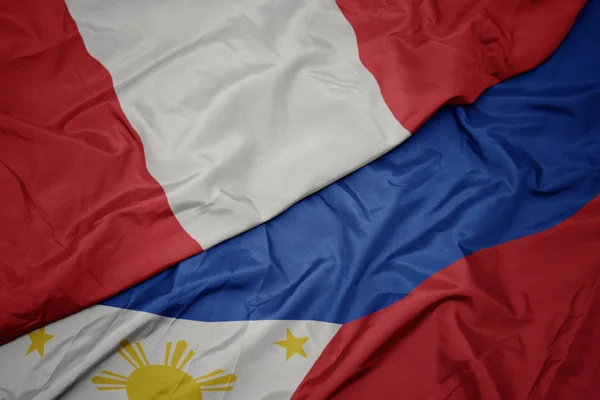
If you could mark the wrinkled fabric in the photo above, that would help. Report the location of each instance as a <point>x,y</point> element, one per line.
<point>82,355</point>
<point>410,253</point>
<point>522,159</point>
<point>136,135</point>
<point>241,107</point>
<point>454,50</point>
<point>478,188</point>
<point>497,324</point>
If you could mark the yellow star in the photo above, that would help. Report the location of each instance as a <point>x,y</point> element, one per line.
<point>292,345</point>
<point>38,339</point>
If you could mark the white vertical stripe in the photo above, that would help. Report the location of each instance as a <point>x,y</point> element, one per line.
<point>243,107</point>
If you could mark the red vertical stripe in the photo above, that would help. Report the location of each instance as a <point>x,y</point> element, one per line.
<point>514,321</point>
<point>80,216</point>
<point>425,53</point>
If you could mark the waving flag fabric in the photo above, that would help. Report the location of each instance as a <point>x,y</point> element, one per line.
<point>463,264</point>
<point>138,133</point>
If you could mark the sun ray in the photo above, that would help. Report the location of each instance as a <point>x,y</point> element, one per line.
<point>167,353</point>
<point>187,359</point>
<point>223,389</point>
<point>126,344</point>
<point>110,373</point>
<point>112,388</point>
<point>102,380</point>
<point>179,350</point>
<point>140,349</point>
<point>222,380</point>
<point>122,354</point>
<point>215,372</point>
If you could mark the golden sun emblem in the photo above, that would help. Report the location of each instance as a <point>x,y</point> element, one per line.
<point>162,382</point>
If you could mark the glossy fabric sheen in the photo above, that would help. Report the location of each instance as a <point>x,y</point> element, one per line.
<point>243,107</point>
<point>427,53</point>
<point>80,216</point>
<point>162,127</point>
<point>513,321</point>
<point>85,344</point>
<point>520,160</point>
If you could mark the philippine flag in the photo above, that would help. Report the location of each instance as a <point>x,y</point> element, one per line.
<point>464,264</point>
<point>137,133</point>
